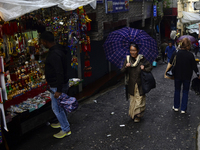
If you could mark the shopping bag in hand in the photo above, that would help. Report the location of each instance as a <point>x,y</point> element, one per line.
<point>196,85</point>
<point>68,103</point>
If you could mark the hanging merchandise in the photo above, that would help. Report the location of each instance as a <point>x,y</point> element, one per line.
<point>85,26</point>
<point>73,38</point>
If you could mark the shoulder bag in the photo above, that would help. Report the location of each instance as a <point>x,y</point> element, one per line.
<point>170,71</point>
<point>148,81</point>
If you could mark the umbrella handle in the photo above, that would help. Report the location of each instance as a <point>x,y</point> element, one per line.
<point>128,58</point>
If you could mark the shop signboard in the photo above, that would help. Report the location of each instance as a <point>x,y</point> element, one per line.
<point>115,6</point>
<point>140,0</point>
<point>154,10</point>
<point>100,1</point>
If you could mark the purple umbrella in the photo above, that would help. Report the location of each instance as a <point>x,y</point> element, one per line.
<point>117,45</point>
<point>191,38</point>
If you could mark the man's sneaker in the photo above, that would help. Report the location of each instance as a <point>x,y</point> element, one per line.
<point>182,112</point>
<point>175,109</point>
<point>61,134</point>
<point>55,125</point>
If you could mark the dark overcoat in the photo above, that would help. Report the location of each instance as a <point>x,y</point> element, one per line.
<point>133,74</point>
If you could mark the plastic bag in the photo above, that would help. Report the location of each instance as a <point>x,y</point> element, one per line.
<point>12,9</point>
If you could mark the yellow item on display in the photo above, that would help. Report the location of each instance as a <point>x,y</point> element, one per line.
<point>81,7</point>
<point>20,38</point>
<point>26,36</point>
<point>87,19</point>
<point>197,59</point>
<point>10,47</point>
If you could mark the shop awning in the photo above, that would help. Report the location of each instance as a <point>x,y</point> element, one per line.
<point>193,28</point>
<point>189,17</point>
<point>12,9</point>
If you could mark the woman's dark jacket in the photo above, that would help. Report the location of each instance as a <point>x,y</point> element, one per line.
<point>134,74</point>
<point>185,65</point>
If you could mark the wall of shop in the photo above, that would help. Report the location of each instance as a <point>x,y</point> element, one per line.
<point>102,24</point>
<point>134,14</point>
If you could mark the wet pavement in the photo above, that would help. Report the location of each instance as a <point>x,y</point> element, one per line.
<point>104,124</point>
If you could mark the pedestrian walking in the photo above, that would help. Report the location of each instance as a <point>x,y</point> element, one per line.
<point>184,66</point>
<point>133,67</point>
<point>196,48</point>
<point>56,77</point>
<point>199,44</point>
<point>169,50</point>
<point>163,48</point>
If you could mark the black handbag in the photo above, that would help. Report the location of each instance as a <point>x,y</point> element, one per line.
<point>170,71</point>
<point>148,81</point>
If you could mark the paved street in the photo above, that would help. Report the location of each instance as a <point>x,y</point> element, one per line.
<point>97,125</point>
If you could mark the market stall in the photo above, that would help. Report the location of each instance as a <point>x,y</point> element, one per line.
<point>22,80</point>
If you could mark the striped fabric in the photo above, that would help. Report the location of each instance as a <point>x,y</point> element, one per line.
<point>117,45</point>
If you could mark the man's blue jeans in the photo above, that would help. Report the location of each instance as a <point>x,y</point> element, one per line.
<point>60,113</point>
<point>186,87</point>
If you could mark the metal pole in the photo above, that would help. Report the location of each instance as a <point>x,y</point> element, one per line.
<point>79,67</point>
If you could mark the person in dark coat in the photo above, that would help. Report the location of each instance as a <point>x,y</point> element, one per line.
<point>184,67</point>
<point>163,48</point>
<point>133,66</point>
<point>56,77</point>
<point>196,48</point>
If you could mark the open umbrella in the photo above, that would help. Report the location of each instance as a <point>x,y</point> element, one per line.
<point>191,38</point>
<point>117,45</point>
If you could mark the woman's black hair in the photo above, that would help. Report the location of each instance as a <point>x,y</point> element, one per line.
<point>134,45</point>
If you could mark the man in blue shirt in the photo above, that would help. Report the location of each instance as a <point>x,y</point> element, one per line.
<point>169,50</point>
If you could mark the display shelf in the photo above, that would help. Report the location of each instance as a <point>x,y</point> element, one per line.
<point>21,98</point>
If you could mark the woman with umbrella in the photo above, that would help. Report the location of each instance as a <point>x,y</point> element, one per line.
<point>133,68</point>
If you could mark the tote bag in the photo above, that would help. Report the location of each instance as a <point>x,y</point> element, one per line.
<point>169,73</point>
<point>148,81</point>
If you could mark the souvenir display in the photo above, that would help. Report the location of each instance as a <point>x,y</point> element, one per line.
<point>22,56</point>
<point>30,104</point>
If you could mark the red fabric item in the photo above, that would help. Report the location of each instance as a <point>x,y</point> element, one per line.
<point>85,73</point>
<point>87,63</point>
<point>1,31</point>
<point>84,47</point>
<point>88,26</point>
<point>15,27</point>
<point>8,29</point>
<point>12,28</point>
<point>88,47</point>
<point>89,73</point>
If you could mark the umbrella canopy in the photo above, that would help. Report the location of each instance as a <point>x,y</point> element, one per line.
<point>191,38</point>
<point>117,45</point>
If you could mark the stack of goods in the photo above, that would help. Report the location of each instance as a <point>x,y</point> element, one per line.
<point>30,104</point>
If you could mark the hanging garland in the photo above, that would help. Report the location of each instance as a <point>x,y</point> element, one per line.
<point>85,26</point>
